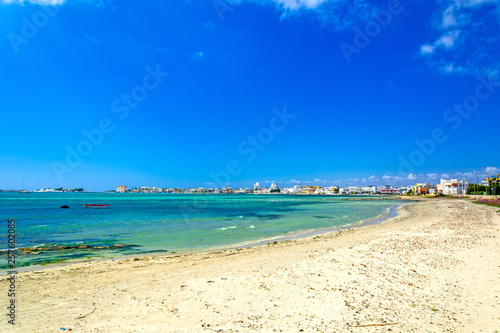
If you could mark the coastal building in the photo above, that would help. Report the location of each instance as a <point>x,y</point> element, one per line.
<point>243,191</point>
<point>404,189</point>
<point>274,186</point>
<point>369,189</point>
<point>265,190</point>
<point>331,190</point>
<point>121,188</point>
<point>422,188</point>
<point>380,188</point>
<point>433,190</point>
<point>292,190</point>
<point>389,191</point>
<point>452,187</point>
<point>353,190</point>
<point>256,186</point>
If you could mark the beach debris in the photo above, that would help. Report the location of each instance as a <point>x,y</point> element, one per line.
<point>367,325</point>
<point>64,207</point>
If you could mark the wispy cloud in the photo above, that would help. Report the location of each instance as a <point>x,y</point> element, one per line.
<point>492,170</point>
<point>97,3</point>
<point>432,175</point>
<point>467,38</point>
<point>37,2</point>
<point>446,41</point>
<point>334,14</point>
<point>297,4</point>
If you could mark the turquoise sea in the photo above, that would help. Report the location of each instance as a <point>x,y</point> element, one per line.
<point>165,222</point>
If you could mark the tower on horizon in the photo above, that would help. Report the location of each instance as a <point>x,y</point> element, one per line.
<point>121,188</point>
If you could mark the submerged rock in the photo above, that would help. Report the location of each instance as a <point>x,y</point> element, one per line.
<point>35,250</point>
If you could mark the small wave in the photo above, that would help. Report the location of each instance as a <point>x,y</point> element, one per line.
<point>252,226</point>
<point>242,217</point>
<point>233,227</point>
<point>39,226</point>
<point>277,237</point>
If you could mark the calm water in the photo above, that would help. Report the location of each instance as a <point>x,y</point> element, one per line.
<point>165,222</point>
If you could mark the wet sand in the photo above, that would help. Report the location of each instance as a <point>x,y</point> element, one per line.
<point>433,268</point>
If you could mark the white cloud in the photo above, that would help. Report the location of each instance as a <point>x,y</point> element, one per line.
<point>37,2</point>
<point>492,170</point>
<point>448,40</point>
<point>432,175</point>
<point>465,29</point>
<point>427,49</point>
<point>449,19</point>
<point>297,4</point>
<point>445,175</point>
<point>412,176</point>
<point>473,3</point>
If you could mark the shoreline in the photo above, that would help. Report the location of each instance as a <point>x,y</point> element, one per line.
<point>435,267</point>
<point>392,212</point>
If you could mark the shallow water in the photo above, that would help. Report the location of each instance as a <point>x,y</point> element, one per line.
<point>165,222</point>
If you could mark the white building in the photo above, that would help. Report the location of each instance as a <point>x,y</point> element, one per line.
<point>274,186</point>
<point>292,190</point>
<point>369,189</point>
<point>353,190</point>
<point>452,187</point>
<point>256,186</point>
<point>404,189</point>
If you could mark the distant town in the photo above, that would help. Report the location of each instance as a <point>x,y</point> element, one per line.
<point>488,186</point>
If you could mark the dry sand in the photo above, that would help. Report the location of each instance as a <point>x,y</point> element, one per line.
<point>434,268</point>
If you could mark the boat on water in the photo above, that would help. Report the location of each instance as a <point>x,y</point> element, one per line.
<point>96,206</point>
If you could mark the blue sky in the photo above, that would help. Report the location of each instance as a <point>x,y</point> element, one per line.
<point>181,93</point>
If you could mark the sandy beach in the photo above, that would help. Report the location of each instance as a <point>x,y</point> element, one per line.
<point>433,268</point>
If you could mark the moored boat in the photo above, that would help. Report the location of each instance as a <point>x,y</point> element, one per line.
<point>96,206</point>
